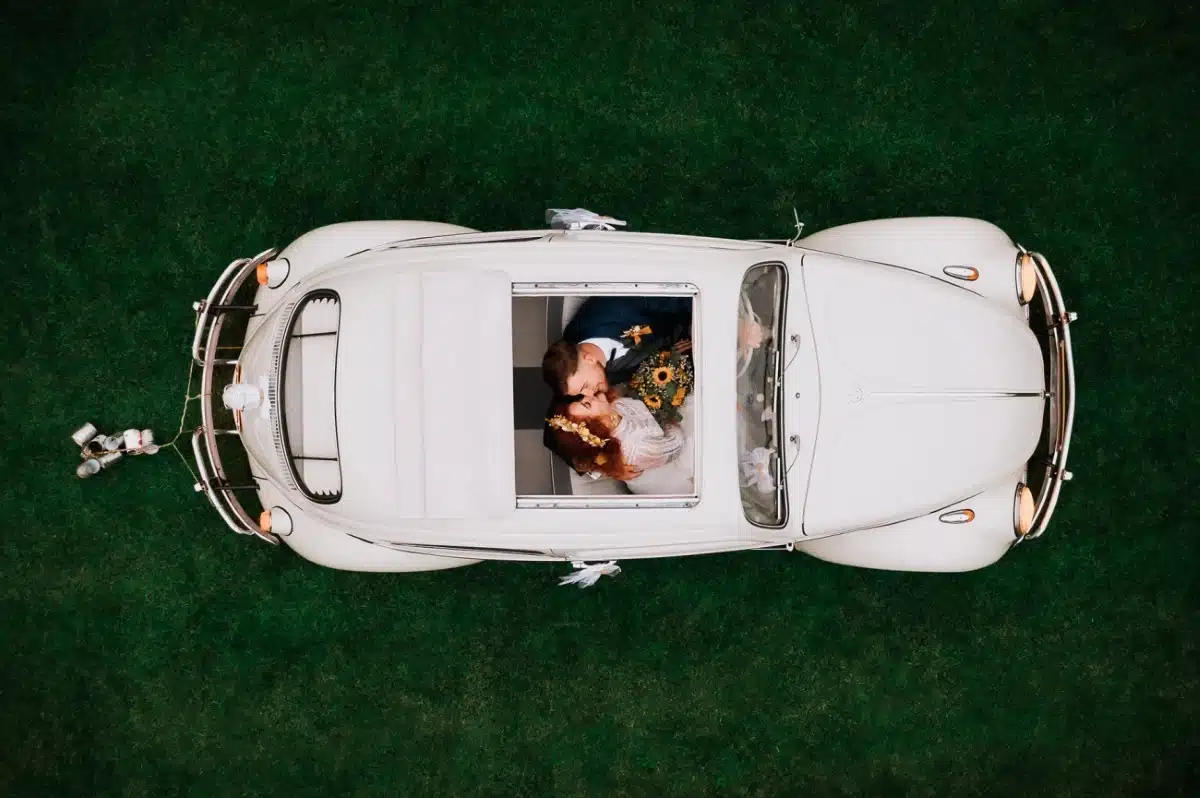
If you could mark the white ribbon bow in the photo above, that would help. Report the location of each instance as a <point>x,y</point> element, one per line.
<point>579,219</point>
<point>587,575</point>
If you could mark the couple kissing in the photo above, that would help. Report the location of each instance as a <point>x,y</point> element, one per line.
<point>622,376</point>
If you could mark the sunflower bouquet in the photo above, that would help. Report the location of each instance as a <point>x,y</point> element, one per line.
<point>663,381</point>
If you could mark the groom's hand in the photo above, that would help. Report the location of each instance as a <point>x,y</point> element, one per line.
<point>682,346</point>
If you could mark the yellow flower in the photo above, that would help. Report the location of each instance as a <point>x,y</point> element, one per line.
<point>600,459</point>
<point>662,356</point>
<point>677,400</point>
<point>663,375</point>
<point>653,401</point>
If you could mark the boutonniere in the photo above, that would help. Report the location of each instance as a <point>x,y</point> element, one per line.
<point>636,332</point>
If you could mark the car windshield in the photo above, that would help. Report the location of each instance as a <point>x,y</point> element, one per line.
<point>760,395</point>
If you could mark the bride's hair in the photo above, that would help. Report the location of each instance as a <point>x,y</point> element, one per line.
<point>575,440</point>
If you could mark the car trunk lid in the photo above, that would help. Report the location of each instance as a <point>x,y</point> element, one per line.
<point>424,409</point>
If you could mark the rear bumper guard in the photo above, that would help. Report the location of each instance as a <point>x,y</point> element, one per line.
<point>211,313</point>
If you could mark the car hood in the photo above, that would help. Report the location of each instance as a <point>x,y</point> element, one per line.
<point>929,393</point>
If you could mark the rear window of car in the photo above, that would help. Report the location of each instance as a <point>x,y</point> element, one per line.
<point>308,382</point>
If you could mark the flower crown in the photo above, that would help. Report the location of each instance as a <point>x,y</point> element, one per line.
<point>579,428</point>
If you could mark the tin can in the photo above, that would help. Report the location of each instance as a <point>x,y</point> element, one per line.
<point>84,434</point>
<point>109,459</point>
<point>87,468</point>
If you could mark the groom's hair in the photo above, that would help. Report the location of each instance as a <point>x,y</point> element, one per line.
<point>558,364</point>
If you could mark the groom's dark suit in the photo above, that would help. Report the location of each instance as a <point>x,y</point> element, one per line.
<point>669,318</point>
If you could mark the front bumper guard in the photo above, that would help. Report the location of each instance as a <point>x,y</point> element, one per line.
<point>1060,389</point>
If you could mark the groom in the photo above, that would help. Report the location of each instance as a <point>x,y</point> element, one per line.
<point>610,336</point>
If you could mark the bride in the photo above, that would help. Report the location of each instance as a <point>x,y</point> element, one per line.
<point>619,438</point>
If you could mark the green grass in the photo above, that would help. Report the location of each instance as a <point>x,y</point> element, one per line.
<point>146,651</point>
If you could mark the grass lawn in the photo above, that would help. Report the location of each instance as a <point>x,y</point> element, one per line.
<point>146,651</point>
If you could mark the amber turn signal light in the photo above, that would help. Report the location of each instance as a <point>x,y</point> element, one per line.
<point>1026,278</point>
<point>1023,510</point>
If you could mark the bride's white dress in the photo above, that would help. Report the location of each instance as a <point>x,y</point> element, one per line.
<point>664,455</point>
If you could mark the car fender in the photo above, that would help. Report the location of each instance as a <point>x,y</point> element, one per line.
<point>322,246</point>
<point>969,253</point>
<point>316,541</point>
<point>964,536</point>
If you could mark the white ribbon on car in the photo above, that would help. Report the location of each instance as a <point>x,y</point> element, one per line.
<point>587,575</point>
<point>579,219</point>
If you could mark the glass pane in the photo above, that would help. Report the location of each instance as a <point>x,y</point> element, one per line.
<point>760,449</point>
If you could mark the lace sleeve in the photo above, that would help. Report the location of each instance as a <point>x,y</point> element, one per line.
<point>644,444</point>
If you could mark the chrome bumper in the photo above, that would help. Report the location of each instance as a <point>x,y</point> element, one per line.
<point>1060,389</point>
<point>210,318</point>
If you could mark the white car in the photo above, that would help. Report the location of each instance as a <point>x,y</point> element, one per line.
<point>902,409</point>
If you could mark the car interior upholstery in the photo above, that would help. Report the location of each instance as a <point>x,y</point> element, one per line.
<point>537,322</point>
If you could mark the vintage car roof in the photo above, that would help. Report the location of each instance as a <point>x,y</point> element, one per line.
<point>427,429</point>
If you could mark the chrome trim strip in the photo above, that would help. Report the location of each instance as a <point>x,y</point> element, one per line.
<point>473,553</point>
<point>479,236</point>
<point>964,394</point>
<point>602,288</point>
<point>603,502</point>
<point>782,497</point>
